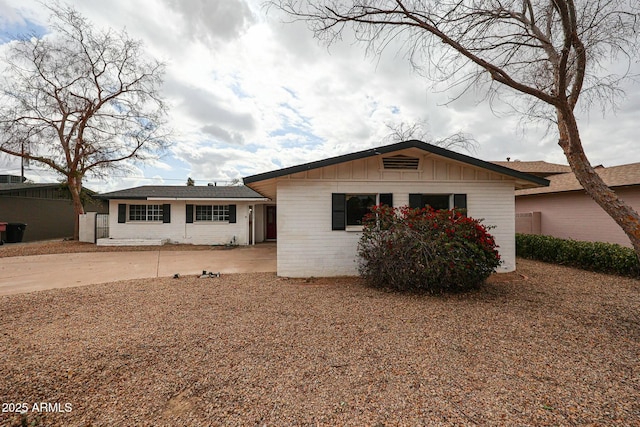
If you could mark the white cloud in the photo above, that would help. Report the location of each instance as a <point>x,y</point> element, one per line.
<point>212,21</point>
<point>9,15</point>
<point>251,94</point>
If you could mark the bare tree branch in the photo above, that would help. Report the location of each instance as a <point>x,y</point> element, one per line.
<point>418,130</point>
<point>82,101</point>
<point>547,50</point>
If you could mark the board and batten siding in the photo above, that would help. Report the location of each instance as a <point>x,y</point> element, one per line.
<point>307,246</point>
<point>178,231</point>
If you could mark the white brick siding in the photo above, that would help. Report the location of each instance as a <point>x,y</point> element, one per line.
<point>308,247</point>
<point>178,231</point>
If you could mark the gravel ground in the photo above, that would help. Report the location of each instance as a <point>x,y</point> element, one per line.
<point>547,346</point>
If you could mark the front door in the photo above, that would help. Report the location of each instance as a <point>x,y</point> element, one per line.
<point>272,231</point>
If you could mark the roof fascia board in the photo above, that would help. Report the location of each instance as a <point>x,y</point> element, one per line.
<point>200,199</point>
<point>568,190</point>
<point>159,198</point>
<point>103,197</point>
<point>213,199</point>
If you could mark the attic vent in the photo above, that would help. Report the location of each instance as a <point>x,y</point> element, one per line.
<point>400,162</point>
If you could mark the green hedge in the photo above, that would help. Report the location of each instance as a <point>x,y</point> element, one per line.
<point>594,256</point>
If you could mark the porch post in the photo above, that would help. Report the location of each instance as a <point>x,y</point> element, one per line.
<point>253,224</point>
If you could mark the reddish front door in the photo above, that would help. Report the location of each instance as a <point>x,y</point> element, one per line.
<point>272,231</point>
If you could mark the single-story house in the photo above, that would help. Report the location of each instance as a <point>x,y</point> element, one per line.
<point>320,204</point>
<point>46,208</point>
<point>564,210</point>
<point>200,215</point>
<point>315,210</point>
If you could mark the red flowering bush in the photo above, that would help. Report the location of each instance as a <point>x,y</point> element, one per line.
<point>424,250</point>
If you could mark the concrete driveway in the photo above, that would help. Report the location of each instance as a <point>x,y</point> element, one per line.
<point>38,272</point>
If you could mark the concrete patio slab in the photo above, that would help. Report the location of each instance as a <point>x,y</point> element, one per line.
<point>39,272</point>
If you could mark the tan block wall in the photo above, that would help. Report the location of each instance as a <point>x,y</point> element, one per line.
<point>576,216</point>
<point>529,223</point>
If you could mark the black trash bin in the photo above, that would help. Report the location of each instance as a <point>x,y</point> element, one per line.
<point>15,232</point>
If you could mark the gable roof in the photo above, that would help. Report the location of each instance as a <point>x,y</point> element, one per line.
<point>397,147</point>
<point>538,167</point>
<point>184,192</point>
<point>615,176</point>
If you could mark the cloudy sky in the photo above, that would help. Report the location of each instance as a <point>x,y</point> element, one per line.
<point>249,94</point>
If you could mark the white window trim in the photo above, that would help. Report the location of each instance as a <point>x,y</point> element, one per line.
<point>144,221</point>
<point>210,221</point>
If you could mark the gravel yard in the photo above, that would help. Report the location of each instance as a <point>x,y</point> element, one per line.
<point>548,346</point>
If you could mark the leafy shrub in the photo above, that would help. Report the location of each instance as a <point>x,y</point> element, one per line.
<point>424,250</point>
<point>594,256</point>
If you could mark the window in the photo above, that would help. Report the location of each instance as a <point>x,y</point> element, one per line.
<point>438,201</point>
<point>214,213</point>
<point>146,213</point>
<point>210,213</point>
<point>348,210</point>
<point>358,205</point>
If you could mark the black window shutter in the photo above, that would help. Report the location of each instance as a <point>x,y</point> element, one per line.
<point>232,214</point>
<point>460,202</point>
<point>386,199</point>
<point>189,214</point>
<point>122,213</point>
<point>415,201</point>
<point>166,213</point>
<point>338,211</point>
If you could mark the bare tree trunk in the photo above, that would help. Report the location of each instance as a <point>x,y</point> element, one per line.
<point>623,214</point>
<point>75,188</point>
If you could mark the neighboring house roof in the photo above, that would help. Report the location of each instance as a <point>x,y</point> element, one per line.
<point>538,167</point>
<point>7,188</point>
<point>185,192</point>
<point>28,189</point>
<point>397,147</point>
<point>615,176</point>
